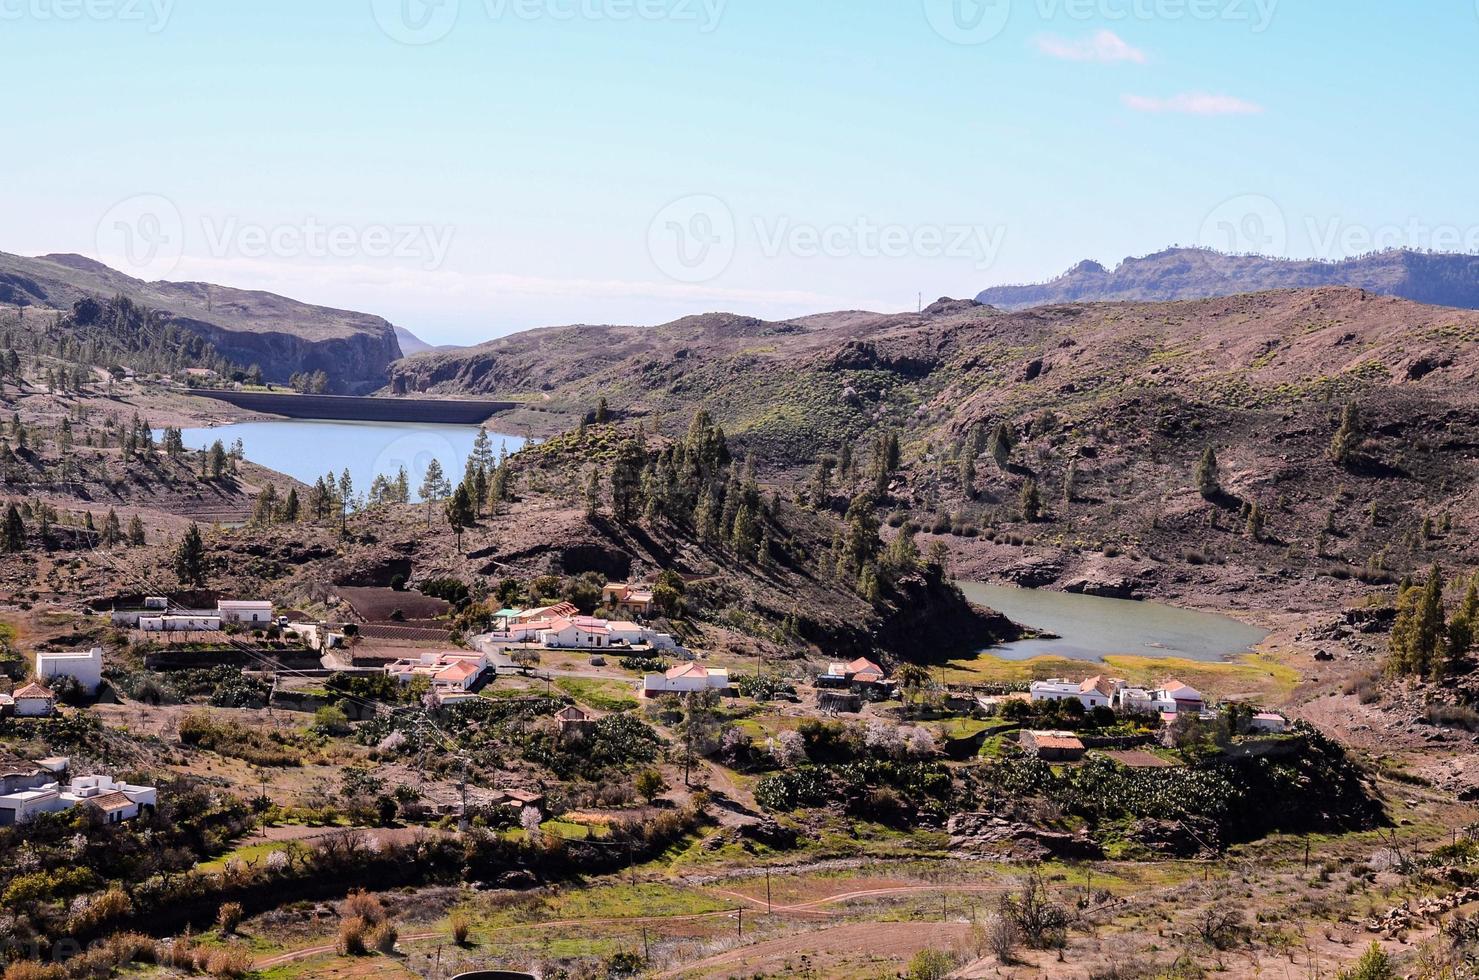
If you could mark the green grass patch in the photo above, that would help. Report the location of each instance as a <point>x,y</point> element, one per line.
<point>601,695</point>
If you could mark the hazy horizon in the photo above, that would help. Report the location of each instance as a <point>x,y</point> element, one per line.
<point>468,168</point>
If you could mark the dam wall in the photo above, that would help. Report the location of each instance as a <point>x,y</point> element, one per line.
<point>346,408</point>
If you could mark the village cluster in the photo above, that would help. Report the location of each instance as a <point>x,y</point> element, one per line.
<point>513,645</point>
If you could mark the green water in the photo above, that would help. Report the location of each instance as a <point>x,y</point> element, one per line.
<point>1089,627</point>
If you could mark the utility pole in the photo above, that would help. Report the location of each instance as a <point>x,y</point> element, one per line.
<point>741,921</point>
<point>767,893</point>
<point>462,820</point>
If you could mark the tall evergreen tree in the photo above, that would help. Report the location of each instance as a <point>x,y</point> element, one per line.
<point>190,557</point>
<point>1209,482</point>
<point>15,530</point>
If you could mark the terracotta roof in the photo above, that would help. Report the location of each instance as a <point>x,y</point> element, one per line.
<point>687,670</point>
<point>109,802</point>
<point>458,671</point>
<point>863,664</point>
<point>573,713</point>
<point>33,690</point>
<point>1056,740</point>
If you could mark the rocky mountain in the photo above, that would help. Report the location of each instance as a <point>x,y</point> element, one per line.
<point>281,335</point>
<point>412,344</point>
<point>1108,406</point>
<point>1188,273</point>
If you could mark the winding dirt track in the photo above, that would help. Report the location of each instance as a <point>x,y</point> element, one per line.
<point>813,907</point>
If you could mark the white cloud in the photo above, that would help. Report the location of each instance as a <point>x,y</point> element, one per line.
<point>1195,104</point>
<point>1105,47</point>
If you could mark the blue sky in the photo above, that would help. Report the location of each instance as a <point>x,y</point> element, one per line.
<point>528,162</point>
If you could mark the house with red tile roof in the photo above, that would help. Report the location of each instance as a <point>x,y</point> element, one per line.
<point>686,678</point>
<point>33,701</point>
<point>1052,746</point>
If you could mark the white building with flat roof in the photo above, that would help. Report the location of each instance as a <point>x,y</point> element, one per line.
<point>85,667</point>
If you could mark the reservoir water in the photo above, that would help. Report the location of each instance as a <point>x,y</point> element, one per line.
<point>1089,628</point>
<point>306,449</point>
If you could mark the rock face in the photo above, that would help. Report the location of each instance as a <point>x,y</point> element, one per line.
<point>280,335</point>
<point>990,835</point>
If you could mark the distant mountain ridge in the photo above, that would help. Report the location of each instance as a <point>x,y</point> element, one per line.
<point>283,336</point>
<point>1439,279</point>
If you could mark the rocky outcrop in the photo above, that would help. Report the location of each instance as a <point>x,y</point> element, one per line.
<point>992,836</point>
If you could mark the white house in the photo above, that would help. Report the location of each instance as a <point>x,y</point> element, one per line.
<point>576,632</point>
<point>1171,698</point>
<point>86,667</point>
<point>686,678</point>
<point>248,612</point>
<point>116,801</point>
<point>446,671</point>
<point>189,621</point>
<point>1096,692</point>
<point>1268,723</point>
<point>33,701</point>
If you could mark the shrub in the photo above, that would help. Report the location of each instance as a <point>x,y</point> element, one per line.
<point>233,961</point>
<point>931,964</point>
<point>461,924</point>
<point>362,905</point>
<point>383,937</point>
<point>31,970</point>
<point>228,918</point>
<point>352,937</point>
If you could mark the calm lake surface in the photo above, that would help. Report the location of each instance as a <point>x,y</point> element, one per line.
<point>306,449</point>
<point>1091,627</point>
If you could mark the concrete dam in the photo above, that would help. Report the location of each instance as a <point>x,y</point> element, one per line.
<point>348,408</point>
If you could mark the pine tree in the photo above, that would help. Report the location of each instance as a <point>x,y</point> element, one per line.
<point>1209,484</point>
<point>1000,444</point>
<point>746,538</point>
<point>112,532</point>
<point>433,486</point>
<point>593,494</point>
<point>291,507</point>
<point>136,531</point>
<point>626,482</point>
<point>1345,446</point>
<point>15,531</point>
<point>603,414</point>
<point>1031,501</point>
<point>190,557</point>
<point>1255,521</point>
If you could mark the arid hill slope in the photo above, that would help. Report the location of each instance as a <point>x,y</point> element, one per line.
<point>1126,395</point>
<point>282,335</point>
